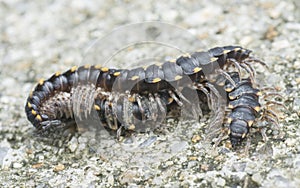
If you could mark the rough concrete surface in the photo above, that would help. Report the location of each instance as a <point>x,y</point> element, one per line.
<point>38,38</point>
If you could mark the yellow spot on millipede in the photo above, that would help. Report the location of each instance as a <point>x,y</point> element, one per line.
<point>243,135</point>
<point>135,77</point>
<point>131,127</point>
<point>155,80</point>
<point>41,81</point>
<point>172,60</point>
<point>97,66</point>
<point>31,94</point>
<point>186,55</point>
<point>86,66</point>
<point>57,73</point>
<point>33,112</point>
<point>228,131</point>
<point>213,59</point>
<point>117,73</point>
<point>197,69</point>
<point>221,84</point>
<point>104,69</point>
<point>159,64</point>
<point>228,89</point>
<point>231,97</point>
<point>38,117</point>
<point>131,99</point>
<point>257,108</point>
<point>73,69</point>
<point>178,77</point>
<point>226,51</point>
<point>250,123</point>
<point>29,105</point>
<point>96,107</point>
<point>259,93</point>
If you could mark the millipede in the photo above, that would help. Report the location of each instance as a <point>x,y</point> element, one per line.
<point>127,99</point>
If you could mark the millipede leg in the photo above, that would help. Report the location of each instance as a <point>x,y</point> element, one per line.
<point>271,119</point>
<point>160,105</point>
<point>153,108</point>
<point>87,104</point>
<point>77,100</point>
<point>91,98</point>
<point>175,98</point>
<point>272,114</point>
<point>218,107</point>
<point>246,67</point>
<point>251,68</point>
<point>182,97</point>
<point>236,64</point>
<point>275,94</point>
<point>267,89</point>
<point>227,76</point>
<point>255,60</point>
<point>70,109</point>
<point>220,138</point>
<point>195,108</point>
<point>263,134</point>
<point>50,124</point>
<point>220,99</point>
<point>247,147</point>
<point>272,103</point>
<point>109,115</point>
<point>200,87</point>
<point>142,111</point>
<point>119,132</point>
<point>126,112</point>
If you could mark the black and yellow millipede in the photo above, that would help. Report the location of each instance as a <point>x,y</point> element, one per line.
<point>127,99</point>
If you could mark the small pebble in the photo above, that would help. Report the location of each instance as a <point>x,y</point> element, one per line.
<point>296,64</point>
<point>179,146</point>
<point>196,138</point>
<point>59,167</point>
<point>291,142</point>
<point>279,45</point>
<point>17,165</point>
<point>220,182</point>
<point>169,163</point>
<point>110,180</point>
<point>73,144</point>
<point>257,178</point>
<point>37,165</point>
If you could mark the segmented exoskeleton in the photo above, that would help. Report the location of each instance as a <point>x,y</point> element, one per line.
<point>133,112</point>
<point>244,108</point>
<point>74,93</point>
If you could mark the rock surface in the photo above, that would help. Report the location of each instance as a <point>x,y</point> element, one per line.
<point>38,38</point>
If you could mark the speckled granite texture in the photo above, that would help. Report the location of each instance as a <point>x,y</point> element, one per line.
<point>38,38</point>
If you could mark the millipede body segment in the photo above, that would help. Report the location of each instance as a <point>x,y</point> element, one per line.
<point>244,105</point>
<point>133,98</point>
